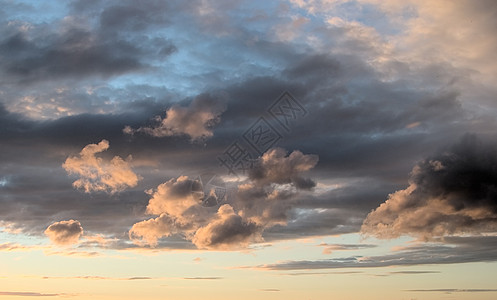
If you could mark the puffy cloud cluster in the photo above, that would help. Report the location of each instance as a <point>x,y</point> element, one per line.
<point>97,174</point>
<point>195,120</point>
<point>64,232</point>
<point>276,167</point>
<point>451,193</point>
<point>228,230</point>
<point>259,203</point>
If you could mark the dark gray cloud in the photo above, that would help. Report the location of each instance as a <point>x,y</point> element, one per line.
<point>76,48</point>
<point>73,53</point>
<point>446,251</point>
<point>367,128</point>
<point>452,192</point>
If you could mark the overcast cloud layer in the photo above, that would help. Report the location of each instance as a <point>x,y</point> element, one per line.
<point>111,113</point>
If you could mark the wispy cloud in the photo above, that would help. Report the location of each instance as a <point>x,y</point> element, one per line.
<point>452,250</point>
<point>203,278</point>
<point>35,294</point>
<point>449,291</point>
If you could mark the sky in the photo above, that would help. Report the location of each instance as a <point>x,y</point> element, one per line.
<point>302,149</point>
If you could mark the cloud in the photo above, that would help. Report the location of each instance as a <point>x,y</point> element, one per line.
<point>17,247</point>
<point>258,203</point>
<point>33,294</point>
<point>450,250</point>
<point>178,208</point>
<point>330,248</point>
<point>100,278</point>
<point>449,291</point>
<point>413,272</point>
<point>203,278</point>
<point>147,232</point>
<point>195,120</point>
<point>276,167</point>
<point>173,197</point>
<point>363,98</point>
<point>97,174</point>
<point>106,42</point>
<point>75,52</point>
<point>64,232</point>
<point>450,193</point>
<point>227,231</point>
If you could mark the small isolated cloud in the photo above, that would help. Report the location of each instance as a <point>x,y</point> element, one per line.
<point>64,232</point>
<point>330,248</point>
<point>451,193</point>
<point>97,174</point>
<point>203,278</point>
<point>226,231</point>
<point>195,120</point>
<point>276,167</point>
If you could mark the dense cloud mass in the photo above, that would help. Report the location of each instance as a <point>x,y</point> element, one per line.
<point>64,232</point>
<point>453,192</point>
<point>205,144</point>
<point>97,174</point>
<point>175,84</point>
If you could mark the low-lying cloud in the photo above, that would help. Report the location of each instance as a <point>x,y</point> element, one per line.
<point>64,232</point>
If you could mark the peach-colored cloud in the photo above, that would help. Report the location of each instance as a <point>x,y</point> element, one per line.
<point>195,121</point>
<point>262,201</point>
<point>97,174</point>
<point>227,231</point>
<point>451,193</point>
<point>64,232</point>
<point>173,197</point>
<point>276,166</point>
<point>147,232</point>
<point>178,210</point>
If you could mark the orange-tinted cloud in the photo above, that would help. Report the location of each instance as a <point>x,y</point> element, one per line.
<point>64,232</point>
<point>451,193</point>
<point>195,121</point>
<point>97,174</point>
<point>227,231</point>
